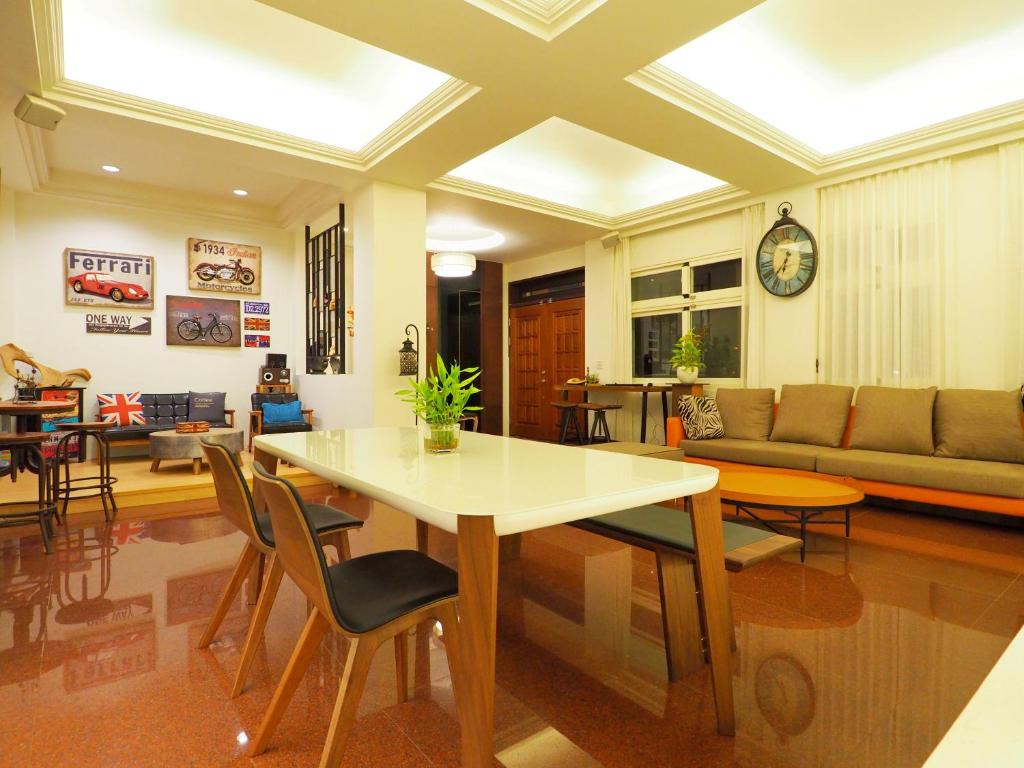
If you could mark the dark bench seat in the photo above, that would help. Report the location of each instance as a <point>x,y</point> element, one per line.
<point>162,411</point>
<point>667,532</point>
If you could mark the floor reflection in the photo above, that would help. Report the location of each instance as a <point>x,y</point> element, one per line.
<point>861,657</point>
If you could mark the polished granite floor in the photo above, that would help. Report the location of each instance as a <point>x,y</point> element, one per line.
<point>861,657</point>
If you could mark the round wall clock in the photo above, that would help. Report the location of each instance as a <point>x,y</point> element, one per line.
<point>787,258</point>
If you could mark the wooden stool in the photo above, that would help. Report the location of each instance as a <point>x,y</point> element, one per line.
<point>600,426</point>
<point>567,418</point>
<point>43,508</point>
<point>70,488</point>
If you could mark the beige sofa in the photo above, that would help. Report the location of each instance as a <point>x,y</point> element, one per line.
<point>951,448</point>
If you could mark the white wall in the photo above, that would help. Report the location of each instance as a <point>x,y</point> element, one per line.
<point>45,225</point>
<point>7,253</point>
<point>387,229</point>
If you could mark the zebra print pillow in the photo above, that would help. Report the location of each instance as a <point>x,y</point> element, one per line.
<point>701,418</point>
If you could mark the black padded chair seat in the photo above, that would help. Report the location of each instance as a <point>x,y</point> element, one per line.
<point>323,517</point>
<point>371,590</point>
<point>286,426</point>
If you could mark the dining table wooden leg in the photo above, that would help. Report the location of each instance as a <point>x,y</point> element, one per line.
<point>478,605</point>
<point>706,517</point>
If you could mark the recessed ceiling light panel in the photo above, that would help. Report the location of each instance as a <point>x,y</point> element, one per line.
<point>455,236</point>
<point>838,76</point>
<point>246,62</point>
<point>110,168</point>
<point>240,192</point>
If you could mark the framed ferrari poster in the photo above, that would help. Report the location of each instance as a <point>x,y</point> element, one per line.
<point>224,267</point>
<point>101,279</point>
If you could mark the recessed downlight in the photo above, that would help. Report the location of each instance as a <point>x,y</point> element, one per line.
<point>240,192</point>
<point>110,168</point>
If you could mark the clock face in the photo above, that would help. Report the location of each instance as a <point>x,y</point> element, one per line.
<point>787,260</point>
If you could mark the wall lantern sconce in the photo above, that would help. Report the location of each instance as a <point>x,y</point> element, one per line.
<point>409,355</point>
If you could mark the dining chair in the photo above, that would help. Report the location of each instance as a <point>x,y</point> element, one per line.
<point>368,599</point>
<point>236,503</point>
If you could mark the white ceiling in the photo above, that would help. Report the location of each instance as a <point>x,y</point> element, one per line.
<point>573,166</point>
<point>246,62</point>
<point>836,75</point>
<point>555,126</point>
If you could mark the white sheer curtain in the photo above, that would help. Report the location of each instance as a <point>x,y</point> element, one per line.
<point>886,296</point>
<point>1010,288</point>
<point>621,367</point>
<point>753,325</point>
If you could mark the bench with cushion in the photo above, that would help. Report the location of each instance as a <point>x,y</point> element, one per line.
<point>163,411</point>
<point>666,531</point>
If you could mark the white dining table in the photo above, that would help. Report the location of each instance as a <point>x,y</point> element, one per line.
<point>496,486</point>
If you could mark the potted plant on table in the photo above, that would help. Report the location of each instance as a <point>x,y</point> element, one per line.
<point>688,357</point>
<point>440,400</point>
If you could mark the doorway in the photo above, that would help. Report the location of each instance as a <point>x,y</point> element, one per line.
<point>546,347</point>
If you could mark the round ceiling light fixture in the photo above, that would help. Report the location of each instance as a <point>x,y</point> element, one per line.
<point>240,192</point>
<point>453,264</point>
<point>462,238</point>
<point>110,168</point>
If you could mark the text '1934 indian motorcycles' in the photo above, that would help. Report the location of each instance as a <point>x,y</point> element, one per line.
<point>233,271</point>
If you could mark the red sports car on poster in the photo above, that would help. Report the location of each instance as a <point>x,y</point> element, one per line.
<point>100,284</point>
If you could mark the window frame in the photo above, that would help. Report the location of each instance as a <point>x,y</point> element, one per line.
<point>687,302</point>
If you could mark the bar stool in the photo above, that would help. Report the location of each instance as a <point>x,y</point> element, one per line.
<point>369,599</point>
<point>236,504</point>
<point>567,418</point>
<point>43,508</point>
<point>600,425</point>
<point>70,488</point>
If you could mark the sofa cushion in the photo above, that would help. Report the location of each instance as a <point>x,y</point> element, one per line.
<point>165,410</point>
<point>979,424</point>
<point>812,413</point>
<point>762,452</point>
<point>120,408</point>
<point>285,427</point>
<point>965,475</point>
<point>746,413</point>
<point>894,419</point>
<point>206,406</point>
<point>701,419</point>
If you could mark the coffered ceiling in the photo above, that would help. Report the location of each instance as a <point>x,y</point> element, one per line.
<point>568,117</point>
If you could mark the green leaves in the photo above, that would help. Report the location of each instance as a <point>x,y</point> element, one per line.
<point>687,352</point>
<point>443,396</point>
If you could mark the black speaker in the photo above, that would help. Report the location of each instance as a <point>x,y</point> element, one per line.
<point>275,376</point>
<point>276,361</point>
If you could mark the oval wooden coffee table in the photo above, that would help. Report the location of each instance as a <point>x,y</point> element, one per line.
<point>171,444</point>
<point>800,499</point>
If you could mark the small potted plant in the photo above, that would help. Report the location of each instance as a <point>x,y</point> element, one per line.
<point>440,400</point>
<point>688,357</point>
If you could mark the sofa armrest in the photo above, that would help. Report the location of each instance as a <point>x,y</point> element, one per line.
<point>256,422</point>
<point>674,431</point>
<point>307,414</point>
<point>229,416</point>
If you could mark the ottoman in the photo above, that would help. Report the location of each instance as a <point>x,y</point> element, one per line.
<point>170,444</point>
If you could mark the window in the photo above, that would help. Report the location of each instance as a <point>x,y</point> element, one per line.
<point>704,294</point>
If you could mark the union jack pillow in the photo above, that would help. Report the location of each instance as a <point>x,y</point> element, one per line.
<point>121,409</point>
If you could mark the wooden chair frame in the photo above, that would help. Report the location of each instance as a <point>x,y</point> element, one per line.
<point>236,504</point>
<point>303,560</point>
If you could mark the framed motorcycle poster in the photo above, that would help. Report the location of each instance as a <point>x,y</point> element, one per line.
<point>196,321</point>
<point>224,267</point>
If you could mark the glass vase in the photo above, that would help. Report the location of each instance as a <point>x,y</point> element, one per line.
<point>441,438</point>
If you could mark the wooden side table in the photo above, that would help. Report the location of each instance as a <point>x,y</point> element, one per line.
<point>171,444</point>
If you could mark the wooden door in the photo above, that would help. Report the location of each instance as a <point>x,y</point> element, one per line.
<point>545,348</point>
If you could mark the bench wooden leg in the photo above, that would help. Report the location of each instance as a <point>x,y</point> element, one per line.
<point>679,614</point>
<point>155,466</point>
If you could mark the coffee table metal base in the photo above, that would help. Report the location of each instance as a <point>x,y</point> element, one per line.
<point>800,515</point>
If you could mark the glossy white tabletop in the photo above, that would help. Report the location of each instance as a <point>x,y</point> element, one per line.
<point>522,483</point>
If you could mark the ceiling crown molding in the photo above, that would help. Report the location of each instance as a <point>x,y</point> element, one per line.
<point>49,46</point>
<point>32,147</point>
<point>546,19</point>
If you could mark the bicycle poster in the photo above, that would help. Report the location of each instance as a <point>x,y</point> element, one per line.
<point>224,267</point>
<point>194,321</point>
